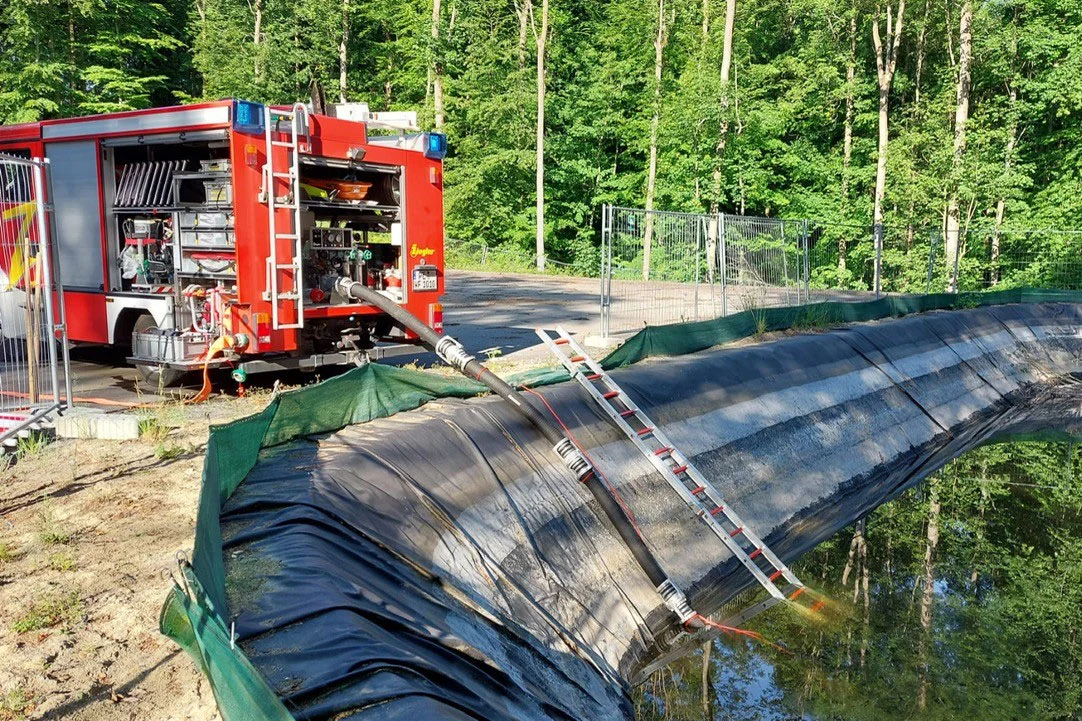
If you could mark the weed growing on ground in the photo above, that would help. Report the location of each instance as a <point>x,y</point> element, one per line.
<point>51,611</point>
<point>812,317</point>
<point>62,561</point>
<point>168,452</point>
<point>51,533</point>
<point>31,446</point>
<point>15,705</point>
<point>7,555</point>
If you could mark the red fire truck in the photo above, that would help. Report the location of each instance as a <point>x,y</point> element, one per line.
<point>216,233</point>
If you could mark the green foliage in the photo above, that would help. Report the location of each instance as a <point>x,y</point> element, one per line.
<point>788,92</point>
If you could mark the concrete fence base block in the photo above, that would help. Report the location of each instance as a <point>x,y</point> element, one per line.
<point>77,423</point>
<point>602,341</point>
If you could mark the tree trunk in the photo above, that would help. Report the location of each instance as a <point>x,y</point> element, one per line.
<point>542,38</point>
<point>651,174</point>
<point>723,132</point>
<point>343,55</point>
<point>723,129</point>
<point>1001,203</point>
<point>847,137</point>
<point>920,52</point>
<point>961,117</point>
<point>886,60</point>
<point>437,66</point>
<point>928,592</point>
<point>523,12</point>
<point>257,38</point>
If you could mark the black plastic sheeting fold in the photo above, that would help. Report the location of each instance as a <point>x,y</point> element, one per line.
<point>443,564</point>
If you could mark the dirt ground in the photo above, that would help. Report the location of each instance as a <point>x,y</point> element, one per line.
<point>88,535</point>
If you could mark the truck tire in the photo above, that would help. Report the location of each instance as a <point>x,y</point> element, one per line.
<point>156,376</point>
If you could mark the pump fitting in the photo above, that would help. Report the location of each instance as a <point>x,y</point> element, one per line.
<point>573,459</point>
<point>453,353</point>
<point>676,601</point>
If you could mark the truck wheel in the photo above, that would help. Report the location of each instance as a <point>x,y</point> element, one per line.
<point>154,375</point>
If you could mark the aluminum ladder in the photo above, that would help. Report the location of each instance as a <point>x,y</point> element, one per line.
<point>297,116</point>
<point>699,494</point>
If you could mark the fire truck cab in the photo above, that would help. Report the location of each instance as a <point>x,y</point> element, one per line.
<point>216,233</point>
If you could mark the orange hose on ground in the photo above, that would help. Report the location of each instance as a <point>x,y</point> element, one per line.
<point>216,348</point>
<point>95,401</point>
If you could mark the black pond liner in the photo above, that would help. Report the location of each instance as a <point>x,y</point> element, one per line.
<point>443,563</point>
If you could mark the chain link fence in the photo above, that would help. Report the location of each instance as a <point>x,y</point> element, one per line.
<point>661,267</point>
<point>34,366</point>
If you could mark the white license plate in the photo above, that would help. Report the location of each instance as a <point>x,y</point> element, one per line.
<point>424,281</point>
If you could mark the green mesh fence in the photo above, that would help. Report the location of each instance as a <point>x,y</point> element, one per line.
<point>195,610</point>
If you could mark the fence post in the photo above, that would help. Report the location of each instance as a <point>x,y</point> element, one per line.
<point>723,265</point>
<point>807,261</point>
<point>877,232</point>
<point>58,284</point>
<point>46,280</point>
<point>699,248</point>
<point>606,267</point>
<point>931,259</point>
<point>957,253</point>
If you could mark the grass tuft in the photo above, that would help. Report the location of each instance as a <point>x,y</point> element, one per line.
<point>52,533</point>
<point>51,611</point>
<point>62,561</point>
<point>16,705</point>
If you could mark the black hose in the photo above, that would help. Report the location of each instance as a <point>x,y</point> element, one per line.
<point>452,352</point>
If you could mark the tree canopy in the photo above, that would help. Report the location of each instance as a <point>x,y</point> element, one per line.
<point>803,78</point>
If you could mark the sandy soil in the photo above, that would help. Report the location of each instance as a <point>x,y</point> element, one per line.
<point>88,533</point>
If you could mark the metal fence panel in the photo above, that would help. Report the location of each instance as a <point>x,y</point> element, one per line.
<point>660,267</point>
<point>34,378</point>
<point>653,266</point>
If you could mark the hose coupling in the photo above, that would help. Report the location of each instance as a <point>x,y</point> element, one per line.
<point>573,459</point>
<point>344,286</point>
<point>453,353</point>
<point>676,601</point>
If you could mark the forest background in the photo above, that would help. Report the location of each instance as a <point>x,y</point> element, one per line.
<point>933,113</point>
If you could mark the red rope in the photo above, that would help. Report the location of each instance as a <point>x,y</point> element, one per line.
<point>600,474</point>
<point>734,630</point>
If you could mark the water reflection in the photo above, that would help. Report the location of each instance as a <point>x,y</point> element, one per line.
<point>961,599</point>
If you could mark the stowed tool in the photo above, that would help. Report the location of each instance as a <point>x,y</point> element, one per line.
<point>455,355</point>
<point>690,484</point>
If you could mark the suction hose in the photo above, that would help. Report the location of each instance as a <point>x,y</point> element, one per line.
<point>455,355</point>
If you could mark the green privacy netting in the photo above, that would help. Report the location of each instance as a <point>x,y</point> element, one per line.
<point>194,614</point>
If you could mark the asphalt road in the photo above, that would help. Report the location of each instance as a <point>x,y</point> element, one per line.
<point>492,314</point>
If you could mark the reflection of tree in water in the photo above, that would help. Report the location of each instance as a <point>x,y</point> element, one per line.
<point>997,635</point>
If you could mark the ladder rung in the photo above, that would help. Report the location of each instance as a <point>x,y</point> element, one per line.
<point>288,175</point>
<point>796,593</point>
<point>756,553</point>
<point>288,296</point>
<point>736,532</point>
<point>680,469</point>
<point>282,144</point>
<point>717,510</point>
<point>628,412</point>
<point>663,451</point>
<point>594,377</point>
<point>697,491</point>
<point>284,236</point>
<point>776,575</point>
<point>610,395</point>
<point>562,341</point>
<point>577,359</point>
<point>645,431</point>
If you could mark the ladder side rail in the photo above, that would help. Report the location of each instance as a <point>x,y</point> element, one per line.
<point>674,481</point>
<point>272,259</point>
<point>692,471</point>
